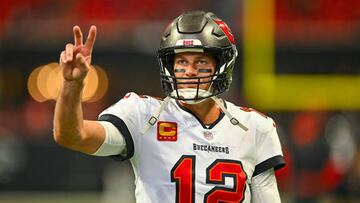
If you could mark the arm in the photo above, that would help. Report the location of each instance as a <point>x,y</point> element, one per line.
<point>70,130</point>
<point>264,188</point>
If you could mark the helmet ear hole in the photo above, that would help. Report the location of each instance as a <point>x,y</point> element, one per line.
<point>167,62</point>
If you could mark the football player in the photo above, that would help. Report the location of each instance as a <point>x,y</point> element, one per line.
<point>191,146</point>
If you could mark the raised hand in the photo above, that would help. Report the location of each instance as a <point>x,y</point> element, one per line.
<point>75,60</point>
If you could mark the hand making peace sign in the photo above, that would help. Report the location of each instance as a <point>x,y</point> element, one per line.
<point>75,60</point>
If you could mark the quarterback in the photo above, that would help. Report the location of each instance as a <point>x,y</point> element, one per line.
<point>191,146</point>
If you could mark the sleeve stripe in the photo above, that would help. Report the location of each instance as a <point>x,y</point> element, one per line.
<point>121,126</point>
<point>275,162</point>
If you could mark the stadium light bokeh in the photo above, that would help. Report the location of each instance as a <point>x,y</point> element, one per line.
<point>45,81</point>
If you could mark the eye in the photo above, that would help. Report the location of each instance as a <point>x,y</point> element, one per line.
<point>202,62</point>
<point>181,62</point>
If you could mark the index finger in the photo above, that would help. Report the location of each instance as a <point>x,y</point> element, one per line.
<point>78,36</point>
<point>91,38</point>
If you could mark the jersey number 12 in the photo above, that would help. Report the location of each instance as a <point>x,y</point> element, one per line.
<point>183,174</point>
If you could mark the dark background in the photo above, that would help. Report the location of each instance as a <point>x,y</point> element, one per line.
<point>312,37</point>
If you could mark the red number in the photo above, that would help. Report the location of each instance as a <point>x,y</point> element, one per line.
<point>216,173</point>
<point>183,174</point>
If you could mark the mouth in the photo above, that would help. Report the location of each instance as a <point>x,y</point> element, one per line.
<point>188,83</point>
<point>190,80</point>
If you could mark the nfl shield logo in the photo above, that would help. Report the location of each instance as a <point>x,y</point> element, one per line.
<point>208,135</point>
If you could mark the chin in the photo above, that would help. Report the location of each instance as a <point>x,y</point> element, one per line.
<point>191,87</point>
<point>187,86</point>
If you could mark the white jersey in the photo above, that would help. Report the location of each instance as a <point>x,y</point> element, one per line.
<point>179,159</point>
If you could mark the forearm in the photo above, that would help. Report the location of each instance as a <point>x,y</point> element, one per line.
<point>68,116</point>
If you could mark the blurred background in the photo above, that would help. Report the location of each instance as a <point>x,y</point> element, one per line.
<point>299,63</point>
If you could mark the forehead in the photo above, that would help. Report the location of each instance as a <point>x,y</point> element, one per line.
<point>194,55</point>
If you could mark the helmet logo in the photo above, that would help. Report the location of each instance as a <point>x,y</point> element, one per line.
<point>188,42</point>
<point>226,30</point>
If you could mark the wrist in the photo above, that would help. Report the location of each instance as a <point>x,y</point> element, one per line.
<point>72,89</point>
<point>73,84</point>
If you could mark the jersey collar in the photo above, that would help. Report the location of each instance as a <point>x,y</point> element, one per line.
<point>202,124</point>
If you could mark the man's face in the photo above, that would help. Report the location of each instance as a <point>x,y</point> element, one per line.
<point>194,64</point>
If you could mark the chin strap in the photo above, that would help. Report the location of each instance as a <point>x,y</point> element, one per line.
<point>155,116</point>
<point>233,120</point>
<point>189,95</point>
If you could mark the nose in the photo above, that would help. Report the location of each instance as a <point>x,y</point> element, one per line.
<point>191,70</point>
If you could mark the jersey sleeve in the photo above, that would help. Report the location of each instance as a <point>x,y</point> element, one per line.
<point>264,188</point>
<point>268,148</point>
<point>125,116</point>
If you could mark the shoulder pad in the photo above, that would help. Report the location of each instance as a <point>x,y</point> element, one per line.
<point>261,121</point>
